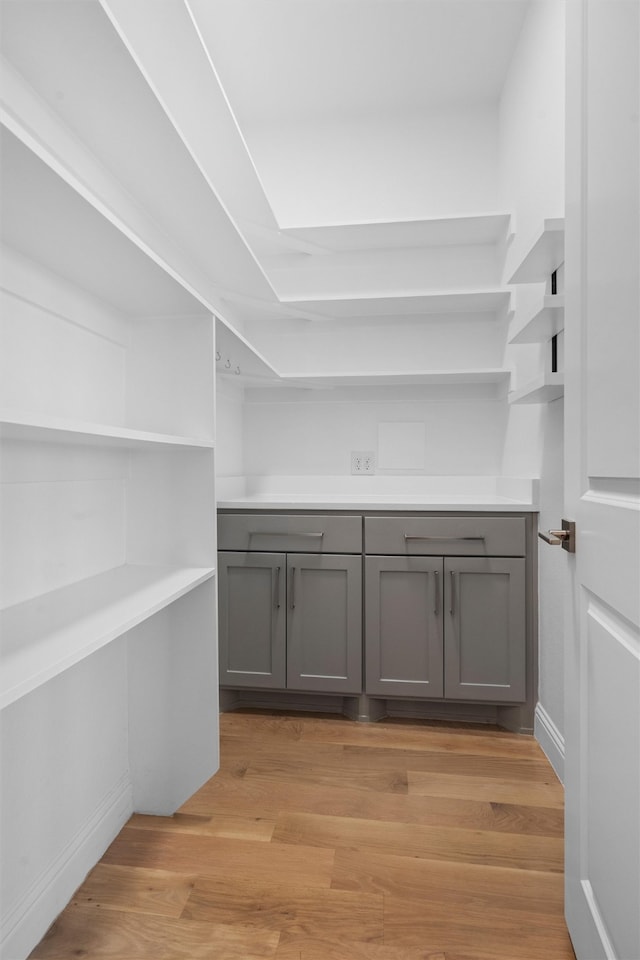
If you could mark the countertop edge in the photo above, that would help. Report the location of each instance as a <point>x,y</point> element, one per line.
<point>494,506</point>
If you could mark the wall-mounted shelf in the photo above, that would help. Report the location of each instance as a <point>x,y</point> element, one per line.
<point>44,429</point>
<point>543,324</point>
<point>46,220</point>
<point>238,360</point>
<point>58,94</point>
<point>41,638</point>
<point>485,228</point>
<point>390,379</point>
<point>544,254</point>
<point>421,302</point>
<point>544,389</point>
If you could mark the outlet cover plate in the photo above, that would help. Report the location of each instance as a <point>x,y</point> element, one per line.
<point>362,462</point>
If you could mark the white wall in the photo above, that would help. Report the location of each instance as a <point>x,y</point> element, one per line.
<point>531,130</point>
<point>532,114</point>
<point>415,166</point>
<point>229,429</point>
<point>314,432</point>
<point>451,342</point>
<point>230,439</point>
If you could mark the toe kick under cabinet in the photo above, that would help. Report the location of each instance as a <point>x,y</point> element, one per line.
<point>430,607</point>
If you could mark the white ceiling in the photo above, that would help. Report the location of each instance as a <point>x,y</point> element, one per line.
<point>282,61</point>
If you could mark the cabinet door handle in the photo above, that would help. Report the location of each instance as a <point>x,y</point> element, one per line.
<point>293,587</point>
<point>453,589</point>
<point>436,592</point>
<point>277,588</point>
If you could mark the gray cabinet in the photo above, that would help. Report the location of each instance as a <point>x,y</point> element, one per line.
<point>444,617</point>
<point>448,626</point>
<point>484,629</point>
<point>403,622</point>
<point>324,623</point>
<point>290,620</point>
<point>252,619</point>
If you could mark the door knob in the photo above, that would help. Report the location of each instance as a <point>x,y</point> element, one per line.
<point>566,537</point>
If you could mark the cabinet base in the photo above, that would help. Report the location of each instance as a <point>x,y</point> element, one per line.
<point>363,709</point>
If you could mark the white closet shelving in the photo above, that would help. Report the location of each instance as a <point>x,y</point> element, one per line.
<point>545,254</point>
<point>42,637</point>
<point>544,389</point>
<point>243,364</point>
<point>541,324</point>
<point>476,236</point>
<point>423,302</point>
<point>54,83</point>
<point>384,235</point>
<point>107,442</point>
<point>46,429</point>
<point>406,378</point>
<point>107,448</point>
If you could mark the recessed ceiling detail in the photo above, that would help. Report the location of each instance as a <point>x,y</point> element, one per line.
<point>319,60</point>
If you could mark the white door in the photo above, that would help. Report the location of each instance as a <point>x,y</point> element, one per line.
<point>602,489</point>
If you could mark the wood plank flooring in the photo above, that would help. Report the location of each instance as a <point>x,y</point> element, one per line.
<point>323,839</point>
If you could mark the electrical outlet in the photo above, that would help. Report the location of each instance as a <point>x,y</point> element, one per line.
<point>362,461</point>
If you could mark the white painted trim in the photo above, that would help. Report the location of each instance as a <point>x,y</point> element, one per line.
<point>596,916</point>
<point>550,739</point>
<point>30,918</point>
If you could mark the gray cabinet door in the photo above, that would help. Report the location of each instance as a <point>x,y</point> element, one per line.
<point>403,626</point>
<point>324,614</point>
<point>484,628</point>
<point>252,619</point>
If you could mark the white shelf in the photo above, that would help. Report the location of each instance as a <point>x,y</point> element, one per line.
<point>48,221</point>
<point>418,303</point>
<point>41,638</point>
<point>44,429</point>
<point>542,325</point>
<point>544,389</point>
<point>409,378</point>
<point>53,100</point>
<point>486,228</point>
<point>545,254</point>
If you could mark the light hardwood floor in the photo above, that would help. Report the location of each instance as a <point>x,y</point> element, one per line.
<point>323,839</point>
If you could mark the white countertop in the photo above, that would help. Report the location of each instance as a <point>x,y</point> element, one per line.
<point>504,494</point>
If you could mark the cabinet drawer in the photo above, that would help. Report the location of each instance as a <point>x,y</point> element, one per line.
<point>447,536</point>
<point>287,533</point>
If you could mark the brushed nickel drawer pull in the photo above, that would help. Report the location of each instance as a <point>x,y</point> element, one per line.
<point>408,536</point>
<point>453,588</point>
<point>287,533</point>
<point>436,592</point>
<point>293,588</point>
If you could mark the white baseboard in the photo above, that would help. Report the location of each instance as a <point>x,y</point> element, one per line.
<point>550,739</point>
<point>29,919</point>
